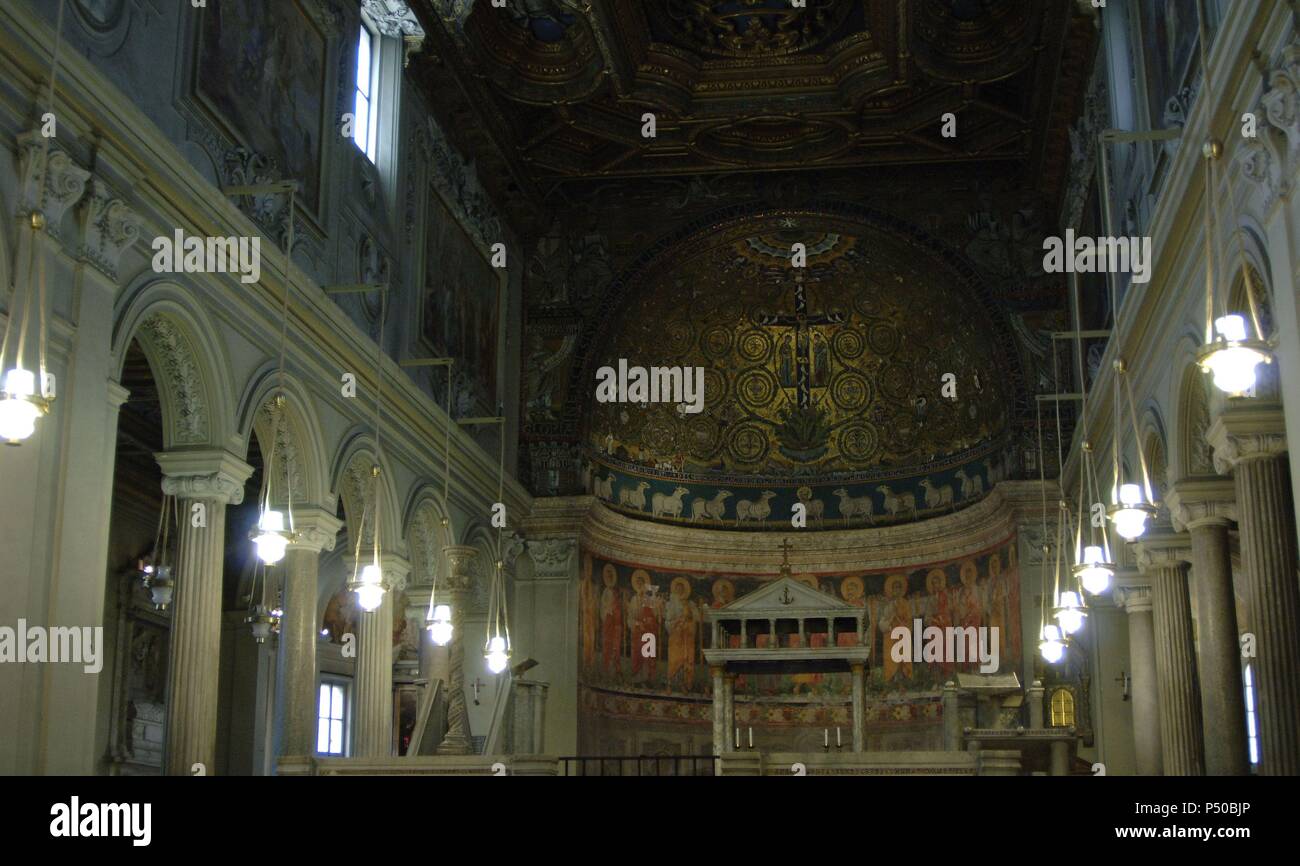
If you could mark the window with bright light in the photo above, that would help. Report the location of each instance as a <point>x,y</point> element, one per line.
<point>1252,721</point>
<point>332,720</point>
<point>365,129</point>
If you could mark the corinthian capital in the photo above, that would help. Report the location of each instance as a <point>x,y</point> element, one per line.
<point>315,529</point>
<point>1160,550</point>
<point>1199,503</point>
<point>212,475</point>
<point>1134,598</point>
<point>460,567</point>
<point>553,557</point>
<point>1246,434</point>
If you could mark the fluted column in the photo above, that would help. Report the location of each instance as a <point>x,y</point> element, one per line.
<point>374,698</point>
<point>316,530</point>
<point>1251,444</point>
<point>729,712</point>
<point>1204,509</point>
<point>1143,689</point>
<point>720,732</point>
<point>1165,562</point>
<point>859,714</point>
<point>460,574</point>
<point>204,482</point>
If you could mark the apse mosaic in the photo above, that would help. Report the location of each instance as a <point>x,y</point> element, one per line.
<point>620,602</point>
<point>823,384</point>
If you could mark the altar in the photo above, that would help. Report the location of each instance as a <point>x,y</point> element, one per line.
<point>787,627</point>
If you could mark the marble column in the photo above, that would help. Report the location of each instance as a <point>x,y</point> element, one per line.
<point>204,482</point>
<point>720,732</point>
<point>859,707</point>
<point>951,717</point>
<point>1203,509</point>
<point>374,696</point>
<point>1251,443</point>
<point>1165,561</point>
<point>316,530</point>
<point>1034,697</point>
<point>455,587</point>
<point>1060,758</point>
<point>1144,690</point>
<point>729,712</point>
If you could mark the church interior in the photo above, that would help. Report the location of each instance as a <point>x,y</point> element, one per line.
<point>665,388</point>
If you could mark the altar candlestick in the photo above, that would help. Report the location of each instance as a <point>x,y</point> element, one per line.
<point>826,737</point>
<point>751,738</point>
<point>837,738</point>
<point>737,738</point>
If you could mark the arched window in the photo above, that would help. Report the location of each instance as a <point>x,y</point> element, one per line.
<point>1062,708</point>
<point>1252,721</point>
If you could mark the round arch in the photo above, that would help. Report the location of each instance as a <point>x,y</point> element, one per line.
<point>189,363</point>
<point>349,479</point>
<point>425,534</point>
<point>299,437</point>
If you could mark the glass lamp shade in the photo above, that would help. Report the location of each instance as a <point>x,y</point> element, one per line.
<point>440,627</point>
<point>19,407</point>
<point>160,586</point>
<point>1094,572</point>
<point>261,622</point>
<point>370,589</point>
<point>498,655</point>
<point>1051,646</point>
<point>270,538</point>
<point>1232,358</point>
<point>1069,615</point>
<point>1130,516</point>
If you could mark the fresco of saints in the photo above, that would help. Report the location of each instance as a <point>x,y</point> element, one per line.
<point>1012,577</point>
<point>723,592</point>
<point>611,618</point>
<point>852,591</point>
<point>938,613</point>
<point>969,605</point>
<point>895,611</point>
<point>644,617</point>
<point>997,601</point>
<point>588,612</point>
<point>683,632</point>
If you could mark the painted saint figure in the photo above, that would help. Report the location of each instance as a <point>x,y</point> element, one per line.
<point>969,605</point>
<point>587,614</point>
<point>938,613</point>
<point>611,615</point>
<point>895,611</point>
<point>683,629</point>
<point>644,615</point>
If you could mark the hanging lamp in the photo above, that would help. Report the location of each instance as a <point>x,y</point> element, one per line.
<point>26,395</point>
<point>497,649</point>
<point>1231,355</point>
<point>438,618</point>
<point>369,584</point>
<point>156,571</point>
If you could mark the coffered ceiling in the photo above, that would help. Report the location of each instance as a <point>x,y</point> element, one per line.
<point>551,92</point>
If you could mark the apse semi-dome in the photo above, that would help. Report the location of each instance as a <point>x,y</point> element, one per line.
<point>866,385</point>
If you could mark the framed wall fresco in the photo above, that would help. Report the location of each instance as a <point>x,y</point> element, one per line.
<point>260,75</point>
<point>1169,48</point>
<point>461,300</point>
<point>618,602</point>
